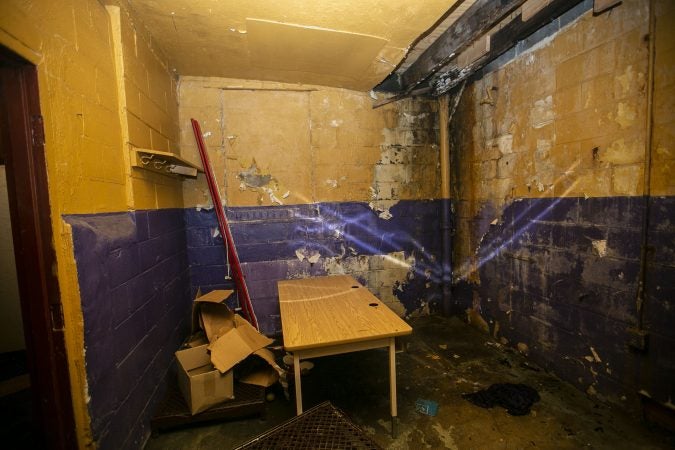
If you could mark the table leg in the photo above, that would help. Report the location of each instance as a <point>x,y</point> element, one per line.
<point>392,384</point>
<point>298,387</point>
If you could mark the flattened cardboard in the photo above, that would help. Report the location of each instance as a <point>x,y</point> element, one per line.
<point>201,384</point>
<point>236,344</point>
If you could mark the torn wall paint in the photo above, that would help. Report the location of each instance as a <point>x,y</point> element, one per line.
<point>252,178</point>
<point>409,157</point>
<point>317,144</point>
<point>382,274</point>
<point>298,241</point>
<point>265,184</point>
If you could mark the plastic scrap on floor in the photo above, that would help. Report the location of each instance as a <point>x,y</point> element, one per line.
<point>428,407</point>
<point>517,399</point>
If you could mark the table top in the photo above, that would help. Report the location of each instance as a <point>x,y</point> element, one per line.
<point>323,311</point>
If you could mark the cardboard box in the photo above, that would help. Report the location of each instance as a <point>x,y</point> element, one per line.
<point>206,369</point>
<point>202,384</point>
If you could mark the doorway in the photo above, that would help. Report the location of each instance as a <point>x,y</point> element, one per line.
<point>22,154</point>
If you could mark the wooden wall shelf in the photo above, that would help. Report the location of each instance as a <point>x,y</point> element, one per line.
<point>165,163</point>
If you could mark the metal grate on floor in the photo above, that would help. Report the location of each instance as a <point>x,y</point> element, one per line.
<point>321,427</point>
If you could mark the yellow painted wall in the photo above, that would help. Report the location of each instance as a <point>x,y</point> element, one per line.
<point>72,44</point>
<point>565,119</point>
<point>148,107</point>
<point>663,139</point>
<point>314,144</point>
<point>69,41</point>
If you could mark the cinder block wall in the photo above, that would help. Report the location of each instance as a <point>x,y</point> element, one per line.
<point>135,291</point>
<point>315,182</point>
<point>549,154</point>
<point>132,266</point>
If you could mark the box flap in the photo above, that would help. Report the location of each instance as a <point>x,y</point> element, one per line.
<point>236,344</point>
<point>216,320</point>
<point>215,297</point>
<point>201,384</point>
<point>192,358</point>
<point>268,375</point>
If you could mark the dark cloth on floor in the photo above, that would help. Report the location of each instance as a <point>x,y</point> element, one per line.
<point>517,399</point>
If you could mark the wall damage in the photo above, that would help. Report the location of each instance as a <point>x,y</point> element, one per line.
<point>549,167</point>
<point>360,183</point>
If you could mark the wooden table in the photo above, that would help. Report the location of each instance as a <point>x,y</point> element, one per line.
<point>325,316</point>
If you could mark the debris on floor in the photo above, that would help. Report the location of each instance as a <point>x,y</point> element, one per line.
<point>565,417</point>
<point>428,407</point>
<point>517,399</point>
<point>221,342</point>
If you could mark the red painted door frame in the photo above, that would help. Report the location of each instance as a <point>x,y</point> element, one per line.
<point>23,147</point>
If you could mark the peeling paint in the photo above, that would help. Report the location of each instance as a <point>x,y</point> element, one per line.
<point>626,114</point>
<point>600,247</point>
<point>630,80</point>
<point>273,198</point>
<point>265,184</point>
<point>504,143</point>
<point>382,208</point>
<point>253,178</point>
<point>542,113</point>
<point>314,257</point>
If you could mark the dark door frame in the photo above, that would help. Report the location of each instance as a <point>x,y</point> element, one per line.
<point>24,155</point>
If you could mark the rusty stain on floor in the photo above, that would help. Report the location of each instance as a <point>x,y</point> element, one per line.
<point>443,359</point>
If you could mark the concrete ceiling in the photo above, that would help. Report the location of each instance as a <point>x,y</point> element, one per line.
<point>353,44</point>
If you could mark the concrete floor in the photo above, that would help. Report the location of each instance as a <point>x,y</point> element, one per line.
<point>443,359</point>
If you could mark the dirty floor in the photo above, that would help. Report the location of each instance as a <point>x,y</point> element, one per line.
<point>443,359</point>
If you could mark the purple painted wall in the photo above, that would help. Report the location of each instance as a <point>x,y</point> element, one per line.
<point>657,367</point>
<point>547,284</point>
<point>135,292</point>
<point>267,238</point>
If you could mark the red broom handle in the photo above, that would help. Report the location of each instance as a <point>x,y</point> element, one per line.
<point>224,228</point>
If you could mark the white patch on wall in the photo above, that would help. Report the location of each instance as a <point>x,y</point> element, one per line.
<point>380,272</point>
<point>381,207</point>
<point>504,143</point>
<point>542,113</point>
